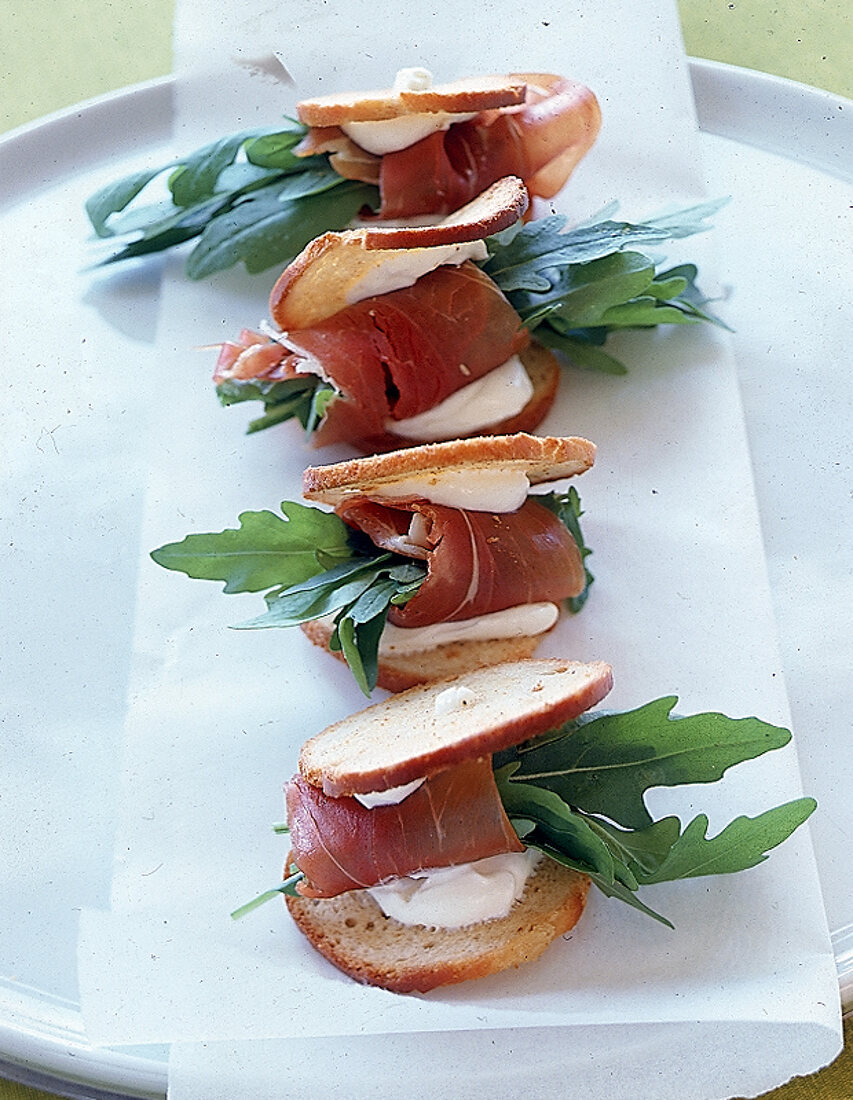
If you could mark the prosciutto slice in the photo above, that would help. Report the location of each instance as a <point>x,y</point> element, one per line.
<point>455,816</point>
<point>398,354</point>
<point>541,141</point>
<point>477,562</point>
<point>393,355</point>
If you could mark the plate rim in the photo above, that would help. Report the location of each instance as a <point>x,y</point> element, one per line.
<point>797,121</point>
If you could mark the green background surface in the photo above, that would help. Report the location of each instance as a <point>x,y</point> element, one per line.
<point>59,52</point>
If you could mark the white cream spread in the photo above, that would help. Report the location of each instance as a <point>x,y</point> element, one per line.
<point>389,135</point>
<point>414,543</point>
<point>525,620</point>
<point>414,79</point>
<point>498,395</point>
<point>475,490</point>
<point>396,268</point>
<point>391,796</point>
<point>453,698</point>
<point>453,897</point>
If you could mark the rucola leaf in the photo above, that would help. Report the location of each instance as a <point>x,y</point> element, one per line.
<point>605,763</point>
<point>577,794</point>
<point>265,551</point>
<point>567,508</point>
<point>573,287</point>
<point>263,230</point>
<point>743,843</point>
<point>115,197</point>
<point>196,178</point>
<point>312,566</point>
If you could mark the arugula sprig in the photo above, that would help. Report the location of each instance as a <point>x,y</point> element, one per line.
<point>578,795</point>
<point>247,198</point>
<point>574,287</point>
<point>304,398</point>
<point>312,566</point>
<point>567,508</point>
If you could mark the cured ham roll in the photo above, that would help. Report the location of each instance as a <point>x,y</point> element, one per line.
<point>431,149</point>
<point>499,562</point>
<point>396,820</point>
<point>420,563</point>
<point>393,337</point>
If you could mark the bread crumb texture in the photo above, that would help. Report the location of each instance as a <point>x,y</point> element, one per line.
<point>353,933</point>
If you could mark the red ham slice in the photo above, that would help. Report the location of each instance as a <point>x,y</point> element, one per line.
<point>455,816</point>
<point>393,355</point>
<point>540,141</point>
<point>477,562</point>
<point>401,353</point>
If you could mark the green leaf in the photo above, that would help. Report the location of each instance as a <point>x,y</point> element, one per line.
<point>567,508</point>
<point>359,643</point>
<point>521,257</point>
<point>116,196</point>
<point>742,844</point>
<point>304,398</point>
<point>321,398</point>
<point>274,150</point>
<point>310,181</point>
<point>643,851</point>
<point>197,176</point>
<point>264,551</point>
<point>324,594</point>
<point>573,287</point>
<point>174,229</point>
<point>604,763</point>
<point>556,822</point>
<point>645,312</point>
<point>551,809</point>
<point>312,566</point>
<point>288,887</point>
<point>213,182</point>
<point>586,356</point>
<point>262,230</point>
<point>580,294</point>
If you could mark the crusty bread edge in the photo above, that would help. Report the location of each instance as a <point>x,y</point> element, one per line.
<point>350,932</point>
<point>542,458</point>
<point>334,759</point>
<point>318,283</point>
<point>376,105</point>
<point>399,673</point>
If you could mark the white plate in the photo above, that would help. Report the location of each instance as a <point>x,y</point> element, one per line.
<point>777,147</point>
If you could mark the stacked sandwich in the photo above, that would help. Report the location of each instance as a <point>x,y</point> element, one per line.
<point>426,846</point>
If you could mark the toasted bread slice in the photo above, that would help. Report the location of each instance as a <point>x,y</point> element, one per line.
<point>353,933</point>
<point>418,733</point>
<point>398,672</point>
<point>541,458</point>
<point>326,276</point>
<point>476,93</point>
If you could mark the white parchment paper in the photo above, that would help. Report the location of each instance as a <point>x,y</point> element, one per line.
<point>680,605</point>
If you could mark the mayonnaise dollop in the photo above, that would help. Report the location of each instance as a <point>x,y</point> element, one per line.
<point>525,620</point>
<point>453,897</point>
<point>498,395</point>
